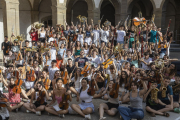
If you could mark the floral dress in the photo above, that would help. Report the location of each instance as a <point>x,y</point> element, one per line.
<point>12,97</point>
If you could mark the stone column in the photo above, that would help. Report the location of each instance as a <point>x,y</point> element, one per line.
<point>177,28</point>
<point>158,17</point>
<point>124,7</point>
<point>58,14</point>
<point>34,17</point>
<point>11,17</point>
<point>95,15</point>
<point>117,19</point>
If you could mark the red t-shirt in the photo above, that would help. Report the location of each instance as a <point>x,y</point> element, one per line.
<point>59,63</point>
<point>34,36</point>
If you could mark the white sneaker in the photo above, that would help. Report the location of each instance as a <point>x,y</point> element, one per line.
<point>88,116</point>
<point>38,113</point>
<point>103,118</point>
<point>62,116</point>
<point>27,111</point>
<point>73,95</point>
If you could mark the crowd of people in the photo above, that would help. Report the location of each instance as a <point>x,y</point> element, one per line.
<point>120,64</point>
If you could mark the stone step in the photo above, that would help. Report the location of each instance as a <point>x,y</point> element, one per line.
<point>177,49</point>
<point>175,45</point>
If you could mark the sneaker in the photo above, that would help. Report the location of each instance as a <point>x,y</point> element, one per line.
<point>62,116</point>
<point>88,116</point>
<point>177,110</point>
<point>38,113</point>
<point>16,110</point>
<point>27,111</point>
<point>103,118</point>
<point>50,99</point>
<point>120,102</point>
<point>73,95</point>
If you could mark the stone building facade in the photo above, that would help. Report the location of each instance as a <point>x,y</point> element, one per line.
<point>19,15</point>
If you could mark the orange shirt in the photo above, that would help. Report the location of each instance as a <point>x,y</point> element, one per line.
<point>59,63</point>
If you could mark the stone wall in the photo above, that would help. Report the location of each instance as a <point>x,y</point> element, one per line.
<point>23,13</point>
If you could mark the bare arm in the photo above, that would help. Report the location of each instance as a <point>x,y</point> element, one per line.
<point>142,92</point>
<point>126,96</point>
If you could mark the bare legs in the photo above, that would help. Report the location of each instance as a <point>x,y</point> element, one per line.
<point>31,107</point>
<point>52,111</point>
<point>77,109</point>
<point>104,108</point>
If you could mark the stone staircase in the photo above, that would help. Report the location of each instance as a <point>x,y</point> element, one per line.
<point>1,58</point>
<point>175,47</point>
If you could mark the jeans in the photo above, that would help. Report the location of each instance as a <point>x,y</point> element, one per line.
<point>128,113</point>
<point>121,42</point>
<point>161,55</point>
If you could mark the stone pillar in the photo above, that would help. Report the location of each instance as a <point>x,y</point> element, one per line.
<point>11,17</point>
<point>124,7</point>
<point>177,28</point>
<point>117,19</point>
<point>58,14</point>
<point>158,17</point>
<point>34,17</point>
<point>95,15</point>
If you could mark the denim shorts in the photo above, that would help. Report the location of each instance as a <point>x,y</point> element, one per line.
<point>83,106</point>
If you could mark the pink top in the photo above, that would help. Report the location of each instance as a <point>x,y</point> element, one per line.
<point>59,99</point>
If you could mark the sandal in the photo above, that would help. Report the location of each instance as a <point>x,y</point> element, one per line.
<point>166,114</point>
<point>153,114</point>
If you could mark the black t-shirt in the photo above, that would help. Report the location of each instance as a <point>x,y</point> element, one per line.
<point>81,61</point>
<point>132,34</point>
<point>168,38</point>
<point>6,47</point>
<point>70,70</point>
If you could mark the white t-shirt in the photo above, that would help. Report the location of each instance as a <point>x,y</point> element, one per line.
<point>80,38</point>
<point>86,51</point>
<point>96,34</point>
<point>144,66</point>
<point>77,82</point>
<point>29,84</point>
<point>104,35</point>
<point>111,76</point>
<point>84,96</point>
<point>53,53</point>
<point>51,39</point>
<point>95,60</point>
<point>120,35</point>
<point>51,72</point>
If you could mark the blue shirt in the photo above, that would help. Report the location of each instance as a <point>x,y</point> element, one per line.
<point>88,34</point>
<point>153,36</point>
<point>163,50</point>
<point>169,91</point>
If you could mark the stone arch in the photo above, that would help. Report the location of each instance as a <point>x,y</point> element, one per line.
<point>45,10</point>
<point>147,8</point>
<point>70,4</point>
<point>111,4</point>
<point>25,8</point>
<point>169,11</point>
<point>115,3</point>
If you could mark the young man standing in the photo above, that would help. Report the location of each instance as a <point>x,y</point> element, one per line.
<point>81,61</point>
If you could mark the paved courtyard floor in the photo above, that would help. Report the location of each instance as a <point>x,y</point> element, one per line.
<point>21,115</point>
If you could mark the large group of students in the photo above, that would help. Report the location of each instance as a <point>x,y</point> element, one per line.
<point>120,64</point>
